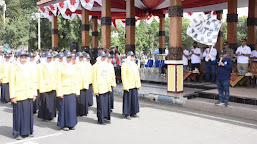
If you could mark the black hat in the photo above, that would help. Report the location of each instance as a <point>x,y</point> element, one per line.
<point>7,55</point>
<point>223,52</point>
<point>48,55</point>
<point>101,53</point>
<point>79,54</point>
<point>23,53</point>
<point>87,56</point>
<point>108,55</point>
<point>67,54</point>
<point>130,53</point>
<point>16,54</point>
<point>31,55</point>
<point>60,55</point>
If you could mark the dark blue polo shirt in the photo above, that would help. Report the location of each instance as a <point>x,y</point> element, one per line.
<point>224,72</point>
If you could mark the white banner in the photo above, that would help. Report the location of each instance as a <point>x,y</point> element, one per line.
<point>204,29</point>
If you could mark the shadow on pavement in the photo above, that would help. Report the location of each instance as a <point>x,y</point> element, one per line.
<point>43,124</point>
<point>6,131</point>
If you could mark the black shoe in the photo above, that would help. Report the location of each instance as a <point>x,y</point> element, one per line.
<point>18,137</point>
<point>128,117</point>
<point>73,128</point>
<point>101,123</point>
<point>219,103</point>
<point>107,121</point>
<point>226,104</point>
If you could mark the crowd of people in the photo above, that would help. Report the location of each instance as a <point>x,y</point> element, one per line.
<point>44,82</point>
<point>223,62</point>
<point>243,57</point>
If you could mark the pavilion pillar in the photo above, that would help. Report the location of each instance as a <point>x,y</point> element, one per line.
<point>106,22</point>
<point>232,19</point>
<point>219,45</point>
<point>174,59</point>
<point>94,32</point>
<point>162,35</point>
<point>85,29</point>
<point>130,26</point>
<point>54,33</point>
<point>252,23</point>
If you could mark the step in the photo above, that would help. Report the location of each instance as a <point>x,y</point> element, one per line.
<point>234,109</point>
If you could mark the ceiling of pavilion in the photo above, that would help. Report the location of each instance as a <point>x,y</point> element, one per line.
<point>69,9</point>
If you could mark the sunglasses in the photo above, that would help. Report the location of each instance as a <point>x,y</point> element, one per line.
<point>242,41</point>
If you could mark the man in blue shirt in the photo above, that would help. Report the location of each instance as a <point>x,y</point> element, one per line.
<point>224,69</point>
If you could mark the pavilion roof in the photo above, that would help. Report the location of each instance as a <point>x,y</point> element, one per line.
<point>144,8</point>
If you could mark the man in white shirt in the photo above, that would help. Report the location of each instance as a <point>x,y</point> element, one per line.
<point>195,57</point>
<point>243,53</point>
<point>254,54</point>
<point>210,56</point>
<point>185,57</point>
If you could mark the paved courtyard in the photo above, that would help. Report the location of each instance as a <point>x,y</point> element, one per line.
<point>158,124</point>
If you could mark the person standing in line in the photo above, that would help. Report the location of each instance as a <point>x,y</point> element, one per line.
<point>67,90</point>
<point>111,77</point>
<point>185,57</point>
<point>102,89</point>
<point>4,78</point>
<point>230,51</point>
<point>243,53</point>
<point>131,84</point>
<point>47,86</point>
<point>35,72</point>
<point>22,93</point>
<point>254,54</point>
<point>195,57</point>
<point>210,68</point>
<point>89,77</point>
<point>82,100</point>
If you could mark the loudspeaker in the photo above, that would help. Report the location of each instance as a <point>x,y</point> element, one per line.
<point>74,46</point>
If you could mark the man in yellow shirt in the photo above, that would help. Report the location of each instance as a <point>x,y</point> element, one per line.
<point>102,88</point>
<point>111,77</point>
<point>4,78</point>
<point>131,83</point>
<point>22,93</point>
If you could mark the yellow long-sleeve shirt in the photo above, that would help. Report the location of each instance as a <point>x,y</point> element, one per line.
<point>82,75</point>
<point>47,78</point>
<point>130,76</point>
<point>67,80</point>
<point>5,72</point>
<point>100,83</point>
<point>21,84</point>
<point>111,76</point>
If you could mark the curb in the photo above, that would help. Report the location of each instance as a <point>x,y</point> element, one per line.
<point>157,98</point>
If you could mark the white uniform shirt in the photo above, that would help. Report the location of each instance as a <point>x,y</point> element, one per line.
<point>185,59</point>
<point>243,50</point>
<point>195,58</point>
<point>254,54</point>
<point>213,54</point>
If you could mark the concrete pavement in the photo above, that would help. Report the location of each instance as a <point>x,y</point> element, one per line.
<point>158,123</point>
